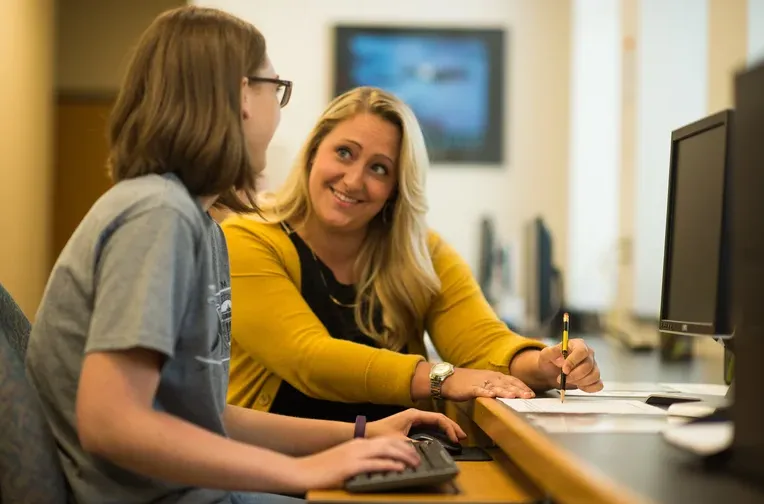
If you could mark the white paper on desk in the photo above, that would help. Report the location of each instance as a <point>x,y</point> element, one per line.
<point>603,423</point>
<point>712,389</point>
<point>643,390</point>
<point>581,406</point>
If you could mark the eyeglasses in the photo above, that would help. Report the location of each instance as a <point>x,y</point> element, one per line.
<point>284,89</point>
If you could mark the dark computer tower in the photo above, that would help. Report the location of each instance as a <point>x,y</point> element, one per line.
<point>747,259</point>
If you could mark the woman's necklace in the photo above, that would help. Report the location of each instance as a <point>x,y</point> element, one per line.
<point>326,284</point>
<point>288,229</point>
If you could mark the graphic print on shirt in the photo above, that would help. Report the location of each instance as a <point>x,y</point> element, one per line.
<point>221,300</point>
<point>223,308</point>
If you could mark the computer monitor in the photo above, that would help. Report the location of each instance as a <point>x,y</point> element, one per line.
<point>543,282</point>
<point>696,297</point>
<point>487,263</point>
<point>738,266</point>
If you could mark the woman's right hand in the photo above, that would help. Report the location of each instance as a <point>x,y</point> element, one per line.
<point>331,468</point>
<point>466,384</point>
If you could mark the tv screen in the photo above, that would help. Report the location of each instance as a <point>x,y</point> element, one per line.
<point>452,79</point>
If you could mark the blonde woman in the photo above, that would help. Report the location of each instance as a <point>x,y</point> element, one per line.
<point>353,278</point>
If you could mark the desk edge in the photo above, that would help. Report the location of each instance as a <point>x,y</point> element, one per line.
<point>565,477</point>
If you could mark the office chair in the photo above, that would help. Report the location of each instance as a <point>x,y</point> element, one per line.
<point>30,471</point>
<point>13,323</point>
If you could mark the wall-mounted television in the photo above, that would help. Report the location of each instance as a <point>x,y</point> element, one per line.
<point>453,79</point>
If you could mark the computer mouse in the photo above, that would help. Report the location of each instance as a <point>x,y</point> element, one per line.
<point>438,437</point>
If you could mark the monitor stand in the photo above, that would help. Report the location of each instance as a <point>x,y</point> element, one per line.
<point>704,408</point>
<point>721,409</point>
<point>708,435</point>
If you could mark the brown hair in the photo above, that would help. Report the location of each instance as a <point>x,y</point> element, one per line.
<point>179,108</point>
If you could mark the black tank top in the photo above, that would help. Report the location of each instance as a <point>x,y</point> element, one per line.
<point>339,320</point>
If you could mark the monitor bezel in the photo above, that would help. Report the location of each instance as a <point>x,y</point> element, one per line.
<point>497,41</point>
<point>721,326</point>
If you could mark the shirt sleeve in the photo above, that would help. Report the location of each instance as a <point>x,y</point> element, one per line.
<point>275,326</point>
<point>464,328</point>
<point>144,271</point>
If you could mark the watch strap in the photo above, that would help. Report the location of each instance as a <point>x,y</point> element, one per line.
<point>436,387</point>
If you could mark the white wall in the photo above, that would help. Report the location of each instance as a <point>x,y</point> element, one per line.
<point>672,91</point>
<point>594,155</point>
<point>534,180</point>
<point>755,30</point>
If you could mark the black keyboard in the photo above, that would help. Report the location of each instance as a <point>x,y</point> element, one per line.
<point>436,467</point>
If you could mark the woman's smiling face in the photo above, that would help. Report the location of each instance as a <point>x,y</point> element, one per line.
<point>354,172</point>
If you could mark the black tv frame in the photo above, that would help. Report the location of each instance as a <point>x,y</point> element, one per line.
<point>494,149</point>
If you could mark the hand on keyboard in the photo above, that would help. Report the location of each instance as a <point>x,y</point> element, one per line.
<point>436,467</point>
<point>332,467</point>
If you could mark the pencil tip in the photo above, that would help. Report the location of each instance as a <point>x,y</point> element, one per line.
<point>562,395</point>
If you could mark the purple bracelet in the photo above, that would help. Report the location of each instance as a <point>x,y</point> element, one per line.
<point>360,427</point>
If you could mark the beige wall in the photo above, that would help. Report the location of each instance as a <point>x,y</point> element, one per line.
<point>94,39</point>
<point>625,280</point>
<point>26,58</point>
<point>727,49</point>
<point>72,45</point>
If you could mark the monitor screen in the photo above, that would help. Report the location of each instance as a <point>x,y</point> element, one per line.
<point>696,227</point>
<point>694,276</point>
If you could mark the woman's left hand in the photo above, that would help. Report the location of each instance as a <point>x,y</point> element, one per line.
<point>580,367</point>
<point>402,423</point>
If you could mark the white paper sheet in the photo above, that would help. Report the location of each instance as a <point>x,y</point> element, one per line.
<point>604,423</point>
<point>582,406</point>
<point>700,388</point>
<point>643,390</point>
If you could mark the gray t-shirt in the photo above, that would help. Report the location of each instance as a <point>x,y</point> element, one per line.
<point>147,267</point>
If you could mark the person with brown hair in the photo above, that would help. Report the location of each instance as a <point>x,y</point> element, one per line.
<point>129,353</point>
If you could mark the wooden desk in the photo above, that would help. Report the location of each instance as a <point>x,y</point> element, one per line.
<point>645,462</point>
<point>580,468</point>
<point>536,469</point>
<point>498,481</point>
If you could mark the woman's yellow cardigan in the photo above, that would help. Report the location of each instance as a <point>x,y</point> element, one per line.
<point>276,336</point>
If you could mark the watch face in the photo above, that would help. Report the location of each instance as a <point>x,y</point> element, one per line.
<point>441,369</point>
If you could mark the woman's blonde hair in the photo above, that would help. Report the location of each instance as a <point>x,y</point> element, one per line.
<point>179,107</point>
<point>394,266</point>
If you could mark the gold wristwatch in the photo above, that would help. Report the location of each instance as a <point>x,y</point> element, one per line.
<point>438,375</point>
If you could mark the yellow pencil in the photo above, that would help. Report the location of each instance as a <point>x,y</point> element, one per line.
<point>565,327</point>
